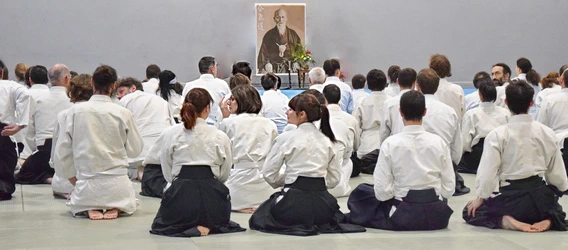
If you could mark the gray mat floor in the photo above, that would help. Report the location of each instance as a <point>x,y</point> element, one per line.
<point>33,219</point>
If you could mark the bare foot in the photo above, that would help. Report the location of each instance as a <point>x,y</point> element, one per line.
<point>48,180</point>
<point>203,230</point>
<point>541,226</point>
<point>247,210</point>
<point>111,214</point>
<point>95,215</point>
<point>510,223</point>
<point>140,173</point>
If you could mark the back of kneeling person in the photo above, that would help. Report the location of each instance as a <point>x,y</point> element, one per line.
<point>304,206</point>
<point>516,157</point>
<point>413,178</point>
<point>196,160</point>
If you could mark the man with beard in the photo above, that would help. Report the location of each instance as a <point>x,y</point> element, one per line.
<point>277,45</point>
<point>501,74</point>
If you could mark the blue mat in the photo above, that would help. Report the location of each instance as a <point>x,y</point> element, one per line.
<point>293,92</point>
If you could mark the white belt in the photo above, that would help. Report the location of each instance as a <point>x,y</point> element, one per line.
<point>248,165</point>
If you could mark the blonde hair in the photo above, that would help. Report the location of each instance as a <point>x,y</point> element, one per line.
<point>20,71</point>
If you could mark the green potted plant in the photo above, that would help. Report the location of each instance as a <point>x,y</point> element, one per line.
<point>302,58</point>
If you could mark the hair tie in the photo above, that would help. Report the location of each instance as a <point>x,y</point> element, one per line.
<point>173,81</point>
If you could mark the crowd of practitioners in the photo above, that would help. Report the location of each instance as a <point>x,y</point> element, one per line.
<point>210,146</point>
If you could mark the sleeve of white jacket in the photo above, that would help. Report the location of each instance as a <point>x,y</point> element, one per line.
<point>134,143</point>
<point>273,163</point>
<point>226,153</point>
<point>384,179</point>
<point>448,177</point>
<point>488,172</point>
<point>23,105</point>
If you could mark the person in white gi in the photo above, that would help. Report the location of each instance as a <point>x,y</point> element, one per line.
<point>196,160</point>
<point>553,108</point>
<point>501,75</point>
<point>78,90</point>
<point>152,115</point>
<point>274,105</point>
<point>551,84</point>
<point>441,119</point>
<point>391,120</point>
<point>392,76</point>
<point>369,116</point>
<point>333,70</point>
<point>216,87</point>
<point>251,137</point>
<point>526,72</point>
<point>304,206</point>
<point>449,93</point>
<point>358,82</point>
<point>472,99</point>
<point>516,158</point>
<point>478,122</point>
<point>413,179</point>
<point>343,145</point>
<point>152,83</point>
<point>170,90</point>
<point>316,78</point>
<point>36,168</point>
<point>94,148</point>
<point>15,102</point>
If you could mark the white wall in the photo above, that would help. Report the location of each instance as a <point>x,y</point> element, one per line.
<point>364,34</point>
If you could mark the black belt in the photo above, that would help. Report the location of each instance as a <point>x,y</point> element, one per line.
<point>308,184</point>
<point>46,146</point>
<point>523,184</point>
<point>421,196</point>
<point>195,172</point>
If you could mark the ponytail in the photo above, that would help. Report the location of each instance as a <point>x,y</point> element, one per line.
<point>325,127</point>
<point>533,77</point>
<point>188,115</point>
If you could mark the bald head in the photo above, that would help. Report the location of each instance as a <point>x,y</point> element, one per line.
<point>59,75</point>
<point>280,17</point>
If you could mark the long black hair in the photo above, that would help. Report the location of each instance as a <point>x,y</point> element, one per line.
<point>165,78</point>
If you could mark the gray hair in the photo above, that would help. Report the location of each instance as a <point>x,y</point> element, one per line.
<point>57,73</point>
<point>317,75</point>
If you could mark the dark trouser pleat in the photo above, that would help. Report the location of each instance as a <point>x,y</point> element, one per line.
<point>461,189</point>
<point>36,169</point>
<point>565,154</point>
<point>8,162</point>
<point>301,213</point>
<point>189,203</point>
<point>420,210</point>
<point>356,165</point>
<point>529,205</point>
<point>470,160</point>
<point>369,162</point>
<point>153,181</point>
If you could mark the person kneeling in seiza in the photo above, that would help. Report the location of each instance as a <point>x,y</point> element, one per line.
<point>414,177</point>
<point>304,207</point>
<point>196,159</point>
<point>516,157</point>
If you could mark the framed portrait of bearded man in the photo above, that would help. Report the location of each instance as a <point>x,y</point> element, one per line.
<point>279,29</point>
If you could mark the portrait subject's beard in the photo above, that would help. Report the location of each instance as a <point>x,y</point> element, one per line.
<point>281,28</point>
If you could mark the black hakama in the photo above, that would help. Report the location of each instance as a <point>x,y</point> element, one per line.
<point>419,210</point>
<point>356,165</point>
<point>8,162</point>
<point>303,208</point>
<point>369,162</point>
<point>528,200</point>
<point>461,189</point>
<point>470,160</point>
<point>153,181</point>
<point>565,154</point>
<point>195,198</point>
<point>36,169</point>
